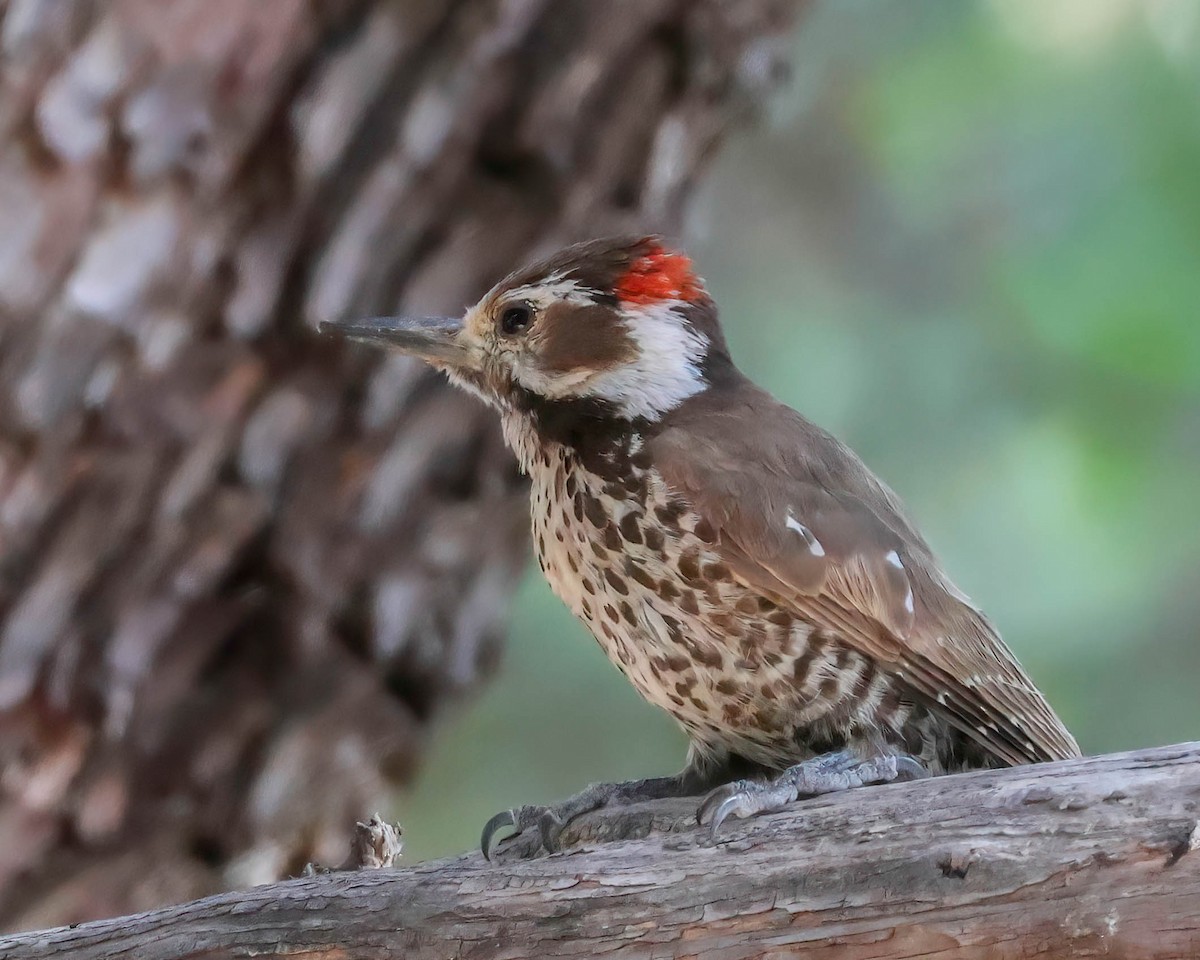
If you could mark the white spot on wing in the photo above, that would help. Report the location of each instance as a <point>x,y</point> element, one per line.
<point>908,601</point>
<point>814,545</point>
<point>894,559</point>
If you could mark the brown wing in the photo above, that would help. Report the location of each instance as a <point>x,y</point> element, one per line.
<point>804,522</point>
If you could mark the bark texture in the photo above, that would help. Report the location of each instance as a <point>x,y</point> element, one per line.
<point>241,567</point>
<point>1097,857</point>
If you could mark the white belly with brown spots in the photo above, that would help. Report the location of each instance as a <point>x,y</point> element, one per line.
<point>740,674</point>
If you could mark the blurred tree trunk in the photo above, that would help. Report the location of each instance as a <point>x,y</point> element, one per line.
<point>242,568</point>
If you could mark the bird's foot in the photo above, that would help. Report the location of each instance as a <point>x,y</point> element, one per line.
<point>828,773</point>
<point>550,820</point>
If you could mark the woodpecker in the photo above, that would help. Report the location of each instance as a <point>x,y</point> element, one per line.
<point>742,567</point>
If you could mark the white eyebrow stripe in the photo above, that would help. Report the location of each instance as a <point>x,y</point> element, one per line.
<point>542,295</point>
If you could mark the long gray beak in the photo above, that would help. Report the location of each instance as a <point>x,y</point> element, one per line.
<point>430,338</point>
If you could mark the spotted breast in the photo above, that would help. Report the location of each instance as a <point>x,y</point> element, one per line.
<point>743,676</point>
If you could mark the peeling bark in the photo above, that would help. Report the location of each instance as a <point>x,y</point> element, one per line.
<point>241,566</point>
<point>1084,858</point>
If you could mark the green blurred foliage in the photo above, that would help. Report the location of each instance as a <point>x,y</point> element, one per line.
<point>968,242</point>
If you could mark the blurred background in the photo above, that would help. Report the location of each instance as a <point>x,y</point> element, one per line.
<point>967,241</point>
<point>255,584</point>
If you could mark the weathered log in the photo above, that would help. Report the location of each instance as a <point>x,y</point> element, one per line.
<point>1092,857</point>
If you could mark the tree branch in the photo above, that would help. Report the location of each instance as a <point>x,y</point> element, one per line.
<point>1084,858</point>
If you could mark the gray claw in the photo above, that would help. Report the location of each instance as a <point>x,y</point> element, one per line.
<point>908,768</point>
<point>727,806</point>
<point>716,801</point>
<point>501,821</point>
<point>828,773</point>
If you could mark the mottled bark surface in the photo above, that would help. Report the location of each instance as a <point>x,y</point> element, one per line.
<point>241,567</point>
<point>1097,857</point>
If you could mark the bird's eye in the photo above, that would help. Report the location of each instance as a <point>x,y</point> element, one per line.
<point>516,318</point>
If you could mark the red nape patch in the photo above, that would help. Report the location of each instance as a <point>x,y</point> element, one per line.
<point>659,275</point>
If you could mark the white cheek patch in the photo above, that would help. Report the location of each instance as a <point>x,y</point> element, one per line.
<point>665,370</point>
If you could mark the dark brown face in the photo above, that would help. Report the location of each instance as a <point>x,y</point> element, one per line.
<point>624,322</point>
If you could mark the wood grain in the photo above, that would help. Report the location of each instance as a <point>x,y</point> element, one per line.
<point>1098,857</point>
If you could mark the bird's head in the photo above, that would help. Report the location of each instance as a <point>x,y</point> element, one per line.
<point>622,325</point>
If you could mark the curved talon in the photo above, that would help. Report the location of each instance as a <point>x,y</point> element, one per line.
<point>702,811</point>
<point>907,768</point>
<point>715,799</point>
<point>727,806</point>
<point>502,820</point>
